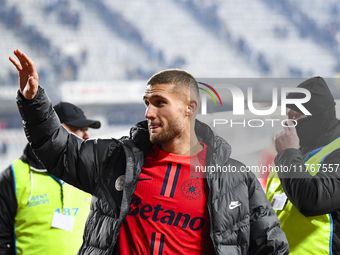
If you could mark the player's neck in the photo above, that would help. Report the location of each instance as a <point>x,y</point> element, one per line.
<point>185,146</point>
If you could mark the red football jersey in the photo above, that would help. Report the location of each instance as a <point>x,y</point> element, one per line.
<point>168,213</point>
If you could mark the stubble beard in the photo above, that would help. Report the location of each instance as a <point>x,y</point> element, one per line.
<point>175,128</point>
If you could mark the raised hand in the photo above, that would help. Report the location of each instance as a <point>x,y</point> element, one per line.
<point>287,138</point>
<point>28,76</point>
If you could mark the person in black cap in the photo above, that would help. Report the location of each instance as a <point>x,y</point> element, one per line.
<point>37,210</point>
<point>74,120</point>
<point>305,189</point>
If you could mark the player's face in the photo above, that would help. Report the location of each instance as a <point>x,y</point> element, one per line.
<point>165,112</point>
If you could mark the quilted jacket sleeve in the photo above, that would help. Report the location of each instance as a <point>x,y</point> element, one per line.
<point>311,195</point>
<point>64,155</point>
<point>266,235</point>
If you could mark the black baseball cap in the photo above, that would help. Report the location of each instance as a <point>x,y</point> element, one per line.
<point>74,116</point>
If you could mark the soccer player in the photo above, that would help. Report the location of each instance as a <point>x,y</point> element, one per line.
<point>145,200</point>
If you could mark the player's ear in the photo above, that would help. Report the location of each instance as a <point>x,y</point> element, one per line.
<point>192,107</point>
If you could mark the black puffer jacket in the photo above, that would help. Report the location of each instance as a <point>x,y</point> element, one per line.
<point>319,194</point>
<point>95,165</point>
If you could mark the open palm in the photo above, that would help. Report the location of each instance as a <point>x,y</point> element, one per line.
<point>28,76</point>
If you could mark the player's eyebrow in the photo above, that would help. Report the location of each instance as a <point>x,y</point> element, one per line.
<point>153,96</point>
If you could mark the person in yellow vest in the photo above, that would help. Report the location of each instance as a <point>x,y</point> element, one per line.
<point>304,190</point>
<point>39,213</point>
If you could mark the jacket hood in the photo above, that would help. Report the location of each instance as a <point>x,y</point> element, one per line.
<point>30,158</point>
<point>321,97</point>
<point>140,136</point>
<point>321,106</point>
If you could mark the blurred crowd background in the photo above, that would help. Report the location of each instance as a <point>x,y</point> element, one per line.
<point>98,54</point>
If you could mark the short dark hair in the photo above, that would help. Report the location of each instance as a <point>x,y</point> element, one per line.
<point>176,77</point>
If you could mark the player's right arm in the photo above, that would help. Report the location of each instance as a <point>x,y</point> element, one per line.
<point>65,155</point>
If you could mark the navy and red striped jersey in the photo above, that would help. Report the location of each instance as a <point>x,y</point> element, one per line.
<point>168,214</point>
